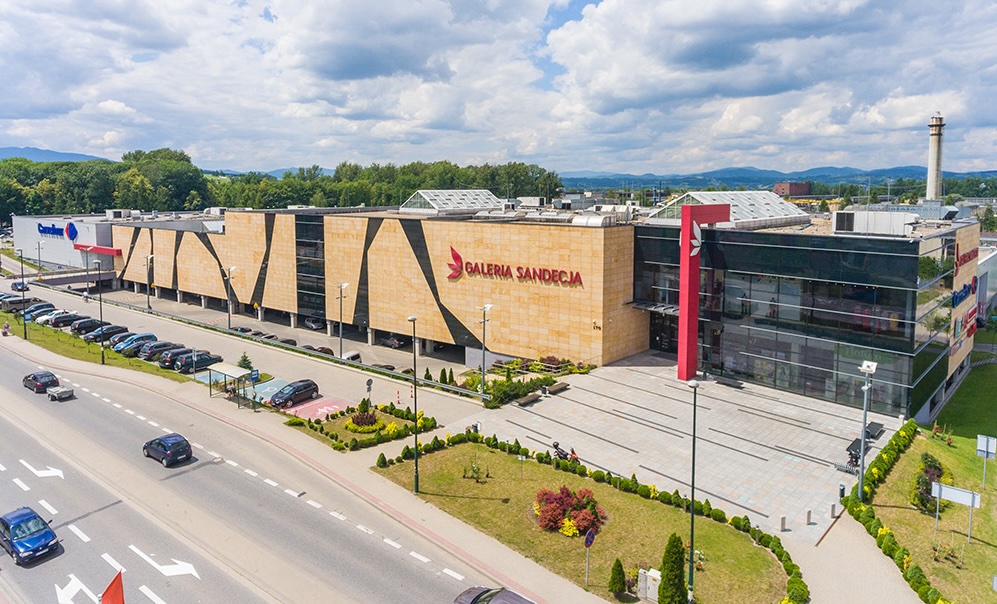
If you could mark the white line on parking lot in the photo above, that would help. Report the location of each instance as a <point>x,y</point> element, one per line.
<point>393,544</point>
<point>231,463</point>
<point>114,563</point>
<point>337,516</point>
<point>23,486</point>
<point>48,506</point>
<point>153,424</point>
<point>149,594</point>
<point>314,504</point>
<point>365,529</point>
<point>76,531</point>
<point>270,482</point>
<point>292,493</point>
<point>419,557</point>
<point>197,446</point>
<point>250,472</point>
<point>457,576</point>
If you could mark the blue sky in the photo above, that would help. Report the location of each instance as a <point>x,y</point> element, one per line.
<point>662,86</point>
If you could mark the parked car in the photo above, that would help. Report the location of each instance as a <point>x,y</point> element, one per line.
<point>295,392</point>
<point>352,355</point>
<point>490,595</point>
<point>5,295</point>
<point>151,350</point>
<point>326,350</point>
<point>85,326</point>
<point>19,286</point>
<point>25,536</point>
<point>66,320</point>
<point>307,347</point>
<point>315,323</point>
<point>187,363</point>
<point>168,358</point>
<point>167,450</point>
<point>131,350</point>
<point>269,336</point>
<point>242,329</point>
<point>119,337</point>
<point>384,366</point>
<point>288,341</point>
<point>39,381</point>
<point>256,333</point>
<point>46,318</point>
<point>394,341</point>
<point>139,337</point>
<point>34,310</point>
<point>17,304</point>
<point>102,334</point>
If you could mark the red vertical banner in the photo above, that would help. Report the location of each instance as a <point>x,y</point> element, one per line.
<point>114,593</point>
<point>690,243</point>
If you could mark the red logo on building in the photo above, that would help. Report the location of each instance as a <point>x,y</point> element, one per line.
<point>457,268</point>
<point>965,258</point>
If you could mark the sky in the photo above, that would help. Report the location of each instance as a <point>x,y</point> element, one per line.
<point>628,86</point>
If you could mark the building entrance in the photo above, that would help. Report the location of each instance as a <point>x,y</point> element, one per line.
<point>664,333</point>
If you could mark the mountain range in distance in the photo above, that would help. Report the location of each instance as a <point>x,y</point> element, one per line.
<point>748,177</point>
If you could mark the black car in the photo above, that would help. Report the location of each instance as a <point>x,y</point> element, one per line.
<point>168,358</point>
<point>102,334</point>
<point>295,392</point>
<point>19,286</point>
<point>40,381</point>
<point>64,320</point>
<point>394,341</point>
<point>132,349</point>
<point>188,364</point>
<point>151,350</point>
<point>288,341</point>
<point>85,326</point>
<point>241,329</point>
<point>491,595</point>
<point>119,337</point>
<point>167,450</point>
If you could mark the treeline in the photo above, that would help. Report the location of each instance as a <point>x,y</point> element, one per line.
<point>167,180</point>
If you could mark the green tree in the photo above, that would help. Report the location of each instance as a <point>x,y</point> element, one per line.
<point>450,379</point>
<point>244,361</point>
<point>443,375</point>
<point>672,589</point>
<point>617,579</point>
<point>134,190</point>
<point>429,376</point>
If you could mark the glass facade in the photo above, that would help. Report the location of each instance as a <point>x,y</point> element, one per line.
<point>801,312</point>
<point>309,235</point>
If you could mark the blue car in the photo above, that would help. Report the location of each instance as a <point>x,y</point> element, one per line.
<point>139,337</point>
<point>26,536</point>
<point>167,450</point>
<point>34,310</point>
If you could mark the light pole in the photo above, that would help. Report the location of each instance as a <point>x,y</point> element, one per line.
<point>228,294</point>
<point>415,403</point>
<point>868,368</point>
<point>100,303</point>
<point>692,497</point>
<point>86,267</point>
<point>20,254</point>
<point>340,298</point>
<point>484,323</point>
<point>148,280</point>
<point>40,257</point>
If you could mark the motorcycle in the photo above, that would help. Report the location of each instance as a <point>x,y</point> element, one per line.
<point>560,453</point>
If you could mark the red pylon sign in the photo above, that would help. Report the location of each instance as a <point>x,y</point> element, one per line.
<point>114,593</point>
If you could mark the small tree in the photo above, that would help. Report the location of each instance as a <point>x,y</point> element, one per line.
<point>429,376</point>
<point>443,375</point>
<point>244,361</point>
<point>450,379</point>
<point>617,579</point>
<point>672,589</point>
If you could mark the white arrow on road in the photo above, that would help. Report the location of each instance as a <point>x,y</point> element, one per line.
<point>170,570</point>
<point>43,473</point>
<point>66,594</point>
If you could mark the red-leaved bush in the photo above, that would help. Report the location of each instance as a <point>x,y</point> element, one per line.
<point>580,506</point>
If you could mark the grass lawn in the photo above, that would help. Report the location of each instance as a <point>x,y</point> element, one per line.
<point>970,412</point>
<point>69,345</point>
<point>637,529</point>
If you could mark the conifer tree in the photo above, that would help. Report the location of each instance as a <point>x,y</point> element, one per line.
<point>617,580</point>
<point>672,589</point>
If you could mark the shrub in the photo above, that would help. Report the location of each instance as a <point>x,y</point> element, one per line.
<point>617,580</point>
<point>580,508</point>
<point>377,426</point>
<point>718,515</point>
<point>599,476</point>
<point>665,497</point>
<point>382,461</point>
<point>797,591</point>
<point>295,421</point>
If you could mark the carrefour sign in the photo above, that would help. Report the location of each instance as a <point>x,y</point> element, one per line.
<point>69,230</point>
<point>960,295</point>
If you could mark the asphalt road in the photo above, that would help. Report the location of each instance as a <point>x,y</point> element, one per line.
<point>255,523</point>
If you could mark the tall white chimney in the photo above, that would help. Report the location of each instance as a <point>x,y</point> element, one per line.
<point>935,126</point>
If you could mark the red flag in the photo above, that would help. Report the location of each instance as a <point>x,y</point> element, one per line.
<point>114,593</point>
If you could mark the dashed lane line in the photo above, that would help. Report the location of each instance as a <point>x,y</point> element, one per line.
<point>23,486</point>
<point>152,596</point>
<point>114,563</point>
<point>314,504</point>
<point>453,574</point>
<point>418,557</point>
<point>393,544</point>
<point>48,506</point>
<point>250,472</point>
<point>76,531</point>
<point>337,516</point>
<point>365,529</point>
<point>270,482</point>
<point>231,463</point>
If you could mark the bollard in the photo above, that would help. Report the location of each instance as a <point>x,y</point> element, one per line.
<point>834,511</point>
<point>809,517</point>
<point>782,524</point>
<point>841,491</point>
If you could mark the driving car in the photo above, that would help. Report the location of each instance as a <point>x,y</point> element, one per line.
<point>19,286</point>
<point>139,337</point>
<point>168,449</point>
<point>102,334</point>
<point>295,392</point>
<point>85,326</point>
<point>151,350</point>
<point>490,595</point>
<point>394,341</point>
<point>188,364</point>
<point>314,323</point>
<point>39,381</point>
<point>67,319</point>
<point>120,337</point>
<point>26,536</point>
<point>46,318</point>
<point>168,359</point>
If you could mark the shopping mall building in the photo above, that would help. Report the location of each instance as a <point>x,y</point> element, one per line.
<point>786,299</point>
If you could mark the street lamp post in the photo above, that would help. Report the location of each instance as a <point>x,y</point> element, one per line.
<point>40,257</point>
<point>692,497</point>
<point>868,368</point>
<point>20,254</point>
<point>341,295</point>
<point>415,403</point>
<point>100,303</point>
<point>148,280</point>
<point>484,322</point>
<point>228,294</point>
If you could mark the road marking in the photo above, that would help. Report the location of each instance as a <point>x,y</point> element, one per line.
<point>129,412</point>
<point>457,576</point>
<point>149,594</point>
<point>75,385</point>
<point>170,570</point>
<point>106,400</point>
<point>65,595</point>
<point>337,515</point>
<point>212,453</point>
<point>48,506</point>
<point>292,493</point>
<point>114,563</point>
<point>197,446</point>
<point>2,468</point>
<point>166,430</point>
<point>85,389</point>
<point>117,405</point>
<point>140,417</point>
<point>365,529</point>
<point>43,473</point>
<point>153,424</point>
<point>76,531</point>
<point>250,472</point>
<point>419,557</point>
<point>94,394</point>
<point>23,486</point>
<point>270,482</point>
<point>231,463</point>
<point>314,504</point>
<point>393,544</point>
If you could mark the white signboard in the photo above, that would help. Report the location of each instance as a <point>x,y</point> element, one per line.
<point>955,494</point>
<point>986,446</point>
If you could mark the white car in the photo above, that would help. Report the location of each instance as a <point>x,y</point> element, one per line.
<point>47,318</point>
<point>314,323</point>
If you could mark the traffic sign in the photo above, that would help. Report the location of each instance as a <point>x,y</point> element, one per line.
<point>589,537</point>
<point>254,375</point>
